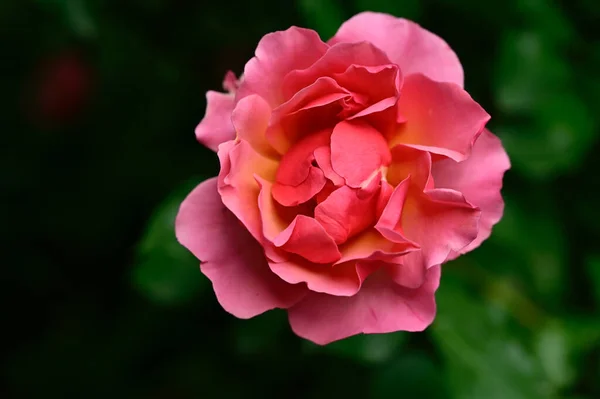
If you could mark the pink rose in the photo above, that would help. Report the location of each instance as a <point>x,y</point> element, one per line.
<point>350,171</point>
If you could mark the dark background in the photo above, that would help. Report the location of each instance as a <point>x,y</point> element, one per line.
<point>99,104</point>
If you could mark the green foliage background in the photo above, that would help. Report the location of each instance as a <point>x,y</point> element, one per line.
<point>99,300</point>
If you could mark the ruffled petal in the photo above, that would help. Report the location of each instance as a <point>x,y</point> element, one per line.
<point>440,118</point>
<point>237,184</point>
<point>230,257</point>
<point>380,306</point>
<point>358,151</point>
<point>250,119</point>
<point>307,238</point>
<point>337,60</point>
<point>347,211</point>
<point>341,279</point>
<point>276,55</point>
<point>479,179</point>
<point>216,126</point>
<point>413,48</point>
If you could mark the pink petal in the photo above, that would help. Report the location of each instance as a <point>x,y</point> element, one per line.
<point>408,161</point>
<point>307,238</point>
<point>297,180</point>
<point>379,307</point>
<point>276,55</point>
<point>374,82</point>
<point>216,127</point>
<point>374,89</point>
<point>414,49</point>
<point>274,217</point>
<point>337,60</point>
<point>440,118</point>
<point>388,224</point>
<point>230,82</point>
<point>237,184</point>
<point>440,221</point>
<point>384,196</point>
<point>251,118</point>
<point>296,163</point>
<point>371,245</point>
<point>357,151</point>
<point>479,179</point>
<point>341,280</point>
<point>323,159</point>
<point>320,96</point>
<point>231,258</point>
<point>347,211</point>
<point>296,195</point>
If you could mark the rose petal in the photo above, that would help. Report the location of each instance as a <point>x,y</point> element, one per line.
<point>388,224</point>
<point>414,49</point>
<point>231,258</point>
<point>216,127</point>
<point>276,55</point>
<point>407,161</point>
<point>320,96</point>
<point>357,151</point>
<point>373,82</point>
<point>347,211</point>
<point>371,245</point>
<point>440,221</point>
<point>237,185</point>
<point>379,307</point>
<point>340,280</point>
<point>251,120</point>
<point>307,238</point>
<point>440,118</point>
<point>323,159</point>
<point>296,163</point>
<point>297,180</point>
<point>336,60</point>
<point>479,179</point>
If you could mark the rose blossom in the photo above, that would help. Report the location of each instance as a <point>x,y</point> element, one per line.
<point>350,171</point>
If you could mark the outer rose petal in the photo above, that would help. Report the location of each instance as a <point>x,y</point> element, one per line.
<point>231,258</point>
<point>440,221</point>
<point>414,49</point>
<point>276,55</point>
<point>479,179</point>
<point>216,127</point>
<point>440,118</point>
<point>380,306</point>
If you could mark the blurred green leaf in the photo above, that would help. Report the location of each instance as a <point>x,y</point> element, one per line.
<point>593,271</point>
<point>412,375</point>
<point>165,271</point>
<point>367,348</point>
<point>324,16</point>
<point>484,358</point>
<point>77,14</point>
<point>556,141</point>
<point>583,333</point>
<point>527,71</point>
<point>545,17</point>
<point>410,9</point>
<point>533,245</point>
<point>259,335</point>
<point>553,350</point>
